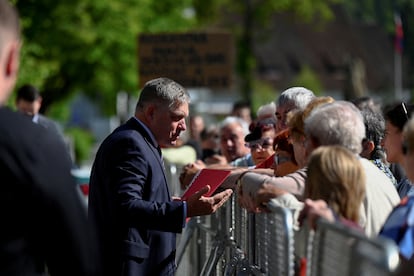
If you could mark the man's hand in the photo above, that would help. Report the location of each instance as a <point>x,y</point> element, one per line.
<point>198,205</point>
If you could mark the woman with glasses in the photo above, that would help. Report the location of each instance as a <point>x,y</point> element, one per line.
<point>395,118</point>
<point>260,142</point>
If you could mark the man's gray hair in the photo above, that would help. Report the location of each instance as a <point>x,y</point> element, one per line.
<point>233,119</point>
<point>337,123</point>
<point>164,91</point>
<point>297,96</point>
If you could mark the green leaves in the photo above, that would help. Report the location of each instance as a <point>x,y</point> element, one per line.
<point>90,46</point>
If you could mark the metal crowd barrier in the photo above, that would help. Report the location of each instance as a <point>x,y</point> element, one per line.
<point>335,249</point>
<point>234,242</point>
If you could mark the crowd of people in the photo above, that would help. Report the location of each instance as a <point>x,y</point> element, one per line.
<point>347,162</point>
<point>344,161</point>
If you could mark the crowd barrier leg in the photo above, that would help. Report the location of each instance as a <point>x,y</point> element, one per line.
<point>188,233</point>
<point>216,253</point>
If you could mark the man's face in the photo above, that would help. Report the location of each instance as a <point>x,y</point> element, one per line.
<point>168,124</point>
<point>29,108</point>
<point>232,142</point>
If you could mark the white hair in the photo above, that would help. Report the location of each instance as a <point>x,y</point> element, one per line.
<point>337,123</point>
<point>298,96</point>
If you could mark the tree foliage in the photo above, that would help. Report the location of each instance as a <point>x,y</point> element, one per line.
<point>90,46</point>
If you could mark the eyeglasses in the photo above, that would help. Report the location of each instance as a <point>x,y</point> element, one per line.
<point>260,144</point>
<point>281,159</point>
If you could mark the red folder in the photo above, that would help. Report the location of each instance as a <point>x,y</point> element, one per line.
<point>212,177</point>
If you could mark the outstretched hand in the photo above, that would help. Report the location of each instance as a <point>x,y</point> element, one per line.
<point>199,205</point>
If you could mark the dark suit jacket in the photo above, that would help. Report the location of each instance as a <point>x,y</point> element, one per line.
<point>130,201</point>
<point>43,222</point>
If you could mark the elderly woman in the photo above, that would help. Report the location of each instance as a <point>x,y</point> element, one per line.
<point>260,141</point>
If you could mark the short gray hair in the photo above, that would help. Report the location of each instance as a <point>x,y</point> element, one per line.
<point>337,123</point>
<point>297,96</point>
<point>164,91</point>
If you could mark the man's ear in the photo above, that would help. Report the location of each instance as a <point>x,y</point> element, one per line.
<point>367,148</point>
<point>12,59</point>
<point>149,112</point>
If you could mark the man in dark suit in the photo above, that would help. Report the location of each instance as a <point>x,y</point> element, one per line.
<point>44,228</point>
<point>129,197</point>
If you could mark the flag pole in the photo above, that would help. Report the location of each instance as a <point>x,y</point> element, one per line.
<point>398,50</point>
<point>397,76</point>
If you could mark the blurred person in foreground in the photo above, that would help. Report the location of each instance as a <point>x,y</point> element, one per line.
<point>44,229</point>
<point>129,197</point>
